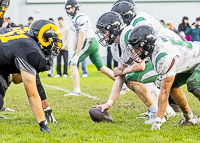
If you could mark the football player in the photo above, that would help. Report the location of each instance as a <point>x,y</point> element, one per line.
<point>84,45</point>
<point>177,63</point>
<point>28,54</point>
<point>3,7</point>
<point>112,31</point>
<point>131,16</point>
<point>6,80</point>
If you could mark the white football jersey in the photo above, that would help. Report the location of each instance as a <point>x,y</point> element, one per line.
<point>119,52</point>
<point>82,22</point>
<point>143,18</point>
<point>171,56</point>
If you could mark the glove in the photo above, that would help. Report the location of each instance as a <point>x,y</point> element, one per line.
<point>74,60</point>
<point>156,123</point>
<point>44,127</point>
<point>49,116</point>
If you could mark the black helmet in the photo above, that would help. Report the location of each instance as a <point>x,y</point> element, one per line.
<point>141,36</point>
<point>47,35</point>
<point>126,10</point>
<point>112,22</point>
<point>4,3</point>
<point>69,4</point>
<point>130,1</point>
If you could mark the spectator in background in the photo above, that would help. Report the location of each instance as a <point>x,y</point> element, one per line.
<point>184,26</point>
<point>162,21</point>
<point>64,50</point>
<point>194,31</point>
<point>109,59</point>
<point>171,27</point>
<point>51,71</point>
<point>30,20</point>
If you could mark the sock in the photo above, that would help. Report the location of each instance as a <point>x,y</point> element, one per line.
<point>45,109</point>
<point>78,90</point>
<point>153,108</point>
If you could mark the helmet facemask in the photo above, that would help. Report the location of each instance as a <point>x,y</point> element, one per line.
<point>108,35</point>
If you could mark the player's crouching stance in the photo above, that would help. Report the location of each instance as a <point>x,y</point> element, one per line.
<point>112,31</point>
<point>177,63</point>
<point>30,53</point>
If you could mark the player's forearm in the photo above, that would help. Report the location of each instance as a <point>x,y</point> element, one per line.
<point>164,95</point>
<point>81,40</point>
<point>117,86</point>
<point>75,42</point>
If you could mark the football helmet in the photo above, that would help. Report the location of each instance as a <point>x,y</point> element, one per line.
<point>69,4</point>
<point>4,3</point>
<point>126,10</point>
<point>47,35</point>
<point>109,25</point>
<point>130,1</point>
<point>141,38</point>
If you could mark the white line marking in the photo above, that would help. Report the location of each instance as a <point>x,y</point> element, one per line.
<point>67,91</point>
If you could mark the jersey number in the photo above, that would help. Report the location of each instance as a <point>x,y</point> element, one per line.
<point>16,33</point>
<point>182,43</point>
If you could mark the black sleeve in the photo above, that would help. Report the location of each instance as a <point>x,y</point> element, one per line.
<point>40,88</point>
<point>22,64</point>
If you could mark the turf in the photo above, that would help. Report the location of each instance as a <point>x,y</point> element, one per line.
<point>74,123</point>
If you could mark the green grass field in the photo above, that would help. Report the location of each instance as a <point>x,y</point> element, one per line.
<point>74,123</point>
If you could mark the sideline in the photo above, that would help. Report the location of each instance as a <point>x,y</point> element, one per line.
<point>67,91</point>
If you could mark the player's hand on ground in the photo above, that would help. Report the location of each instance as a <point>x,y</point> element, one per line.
<point>117,71</point>
<point>102,106</point>
<point>74,60</point>
<point>156,124</point>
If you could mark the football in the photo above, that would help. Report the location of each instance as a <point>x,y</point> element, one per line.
<point>98,116</point>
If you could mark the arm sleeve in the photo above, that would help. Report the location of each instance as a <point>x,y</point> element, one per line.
<point>22,64</point>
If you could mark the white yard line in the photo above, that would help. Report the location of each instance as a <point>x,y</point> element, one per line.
<point>67,91</point>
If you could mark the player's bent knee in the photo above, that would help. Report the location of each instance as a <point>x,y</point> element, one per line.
<point>132,85</point>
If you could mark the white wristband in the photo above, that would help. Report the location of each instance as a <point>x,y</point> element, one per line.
<point>110,101</point>
<point>124,71</point>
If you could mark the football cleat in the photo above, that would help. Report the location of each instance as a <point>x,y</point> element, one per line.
<point>6,109</point>
<point>44,127</point>
<point>191,122</point>
<point>1,117</point>
<point>73,93</point>
<point>49,116</point>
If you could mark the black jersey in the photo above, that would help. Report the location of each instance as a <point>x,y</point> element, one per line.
<point>19,50</point>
